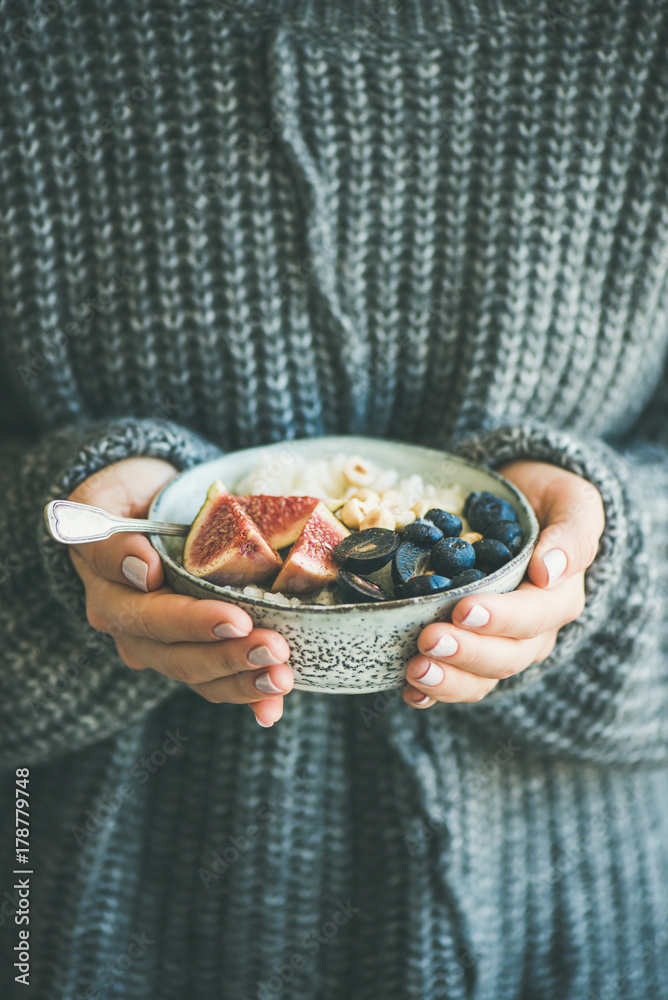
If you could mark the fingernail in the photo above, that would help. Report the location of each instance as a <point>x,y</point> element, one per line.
<point>135,571</point>
<point>446,646</point>
<point>227,631</point>
<point>477,616</point>
<point>432,676</point>
<point>555,563</point>
<point>262,656</point>
<point>421,701</point>
<point>265,684</point>
<point>265,725</point>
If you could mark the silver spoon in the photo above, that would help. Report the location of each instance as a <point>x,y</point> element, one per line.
<point>77,523</point>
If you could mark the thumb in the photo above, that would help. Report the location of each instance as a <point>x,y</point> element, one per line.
<point>125,488</point>
<point>570,513</point>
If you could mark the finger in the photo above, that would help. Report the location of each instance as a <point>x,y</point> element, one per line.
<point>165,616</point>
<point>522,614</point>
<point>268,711</point>
<point>445,683</point>
<point>241,688</point>
<point>127,558</point>
<point>125,488</point>
<point>570,511</point>
<point>205,663</point>
<point>490,656</point>
<point>415,698</point>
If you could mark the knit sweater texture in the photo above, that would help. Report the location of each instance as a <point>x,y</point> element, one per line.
<point>236,222</point>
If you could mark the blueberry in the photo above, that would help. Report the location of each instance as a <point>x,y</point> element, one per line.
<point>452,556</point>
<point>481,509</point>
<point>450,524</point>
<point>508,532</point>
<point>468,576</point>
<point>491,554</point>
<point>409,560</point>
<point>417,586</point>
<point>422,533</point>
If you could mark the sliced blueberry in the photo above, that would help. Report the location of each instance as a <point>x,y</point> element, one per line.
<point>367,550</point>
<point>451,556</point>
<point>491,554</point>
<point>409,560</point>
<point>422,533</point>
<point>450,524</point>
<point>481,509</point>
<point>468,576</point>
<point>508,532</point>
<point>356,590</point>
<point>418,586</point>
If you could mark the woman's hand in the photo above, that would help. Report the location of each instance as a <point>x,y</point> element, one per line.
<point>209,645</point>
<point>493,636</point>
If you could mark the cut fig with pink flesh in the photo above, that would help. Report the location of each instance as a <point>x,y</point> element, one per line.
<point>280,519</point>
<point>309,565</point>
<point>225,546</point>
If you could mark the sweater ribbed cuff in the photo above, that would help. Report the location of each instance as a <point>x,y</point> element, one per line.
<point>615,583</point>
<point>92,448</point>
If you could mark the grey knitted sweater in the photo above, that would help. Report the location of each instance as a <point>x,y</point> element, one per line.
<point>231,223</point>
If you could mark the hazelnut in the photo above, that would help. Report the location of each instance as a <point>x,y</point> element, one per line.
<point>402,518</point>
<point>357,472</point>
<point>471,537</point>
<point>353,513</point>
<point>421,507</point>
<point>379,517</point>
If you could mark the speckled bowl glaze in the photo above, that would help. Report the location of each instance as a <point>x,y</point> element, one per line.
<point>345,648</point>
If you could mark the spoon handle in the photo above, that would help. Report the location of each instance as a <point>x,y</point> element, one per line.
<point>78,523</point>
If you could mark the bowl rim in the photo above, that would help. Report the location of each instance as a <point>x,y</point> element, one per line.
<point>362,607</point>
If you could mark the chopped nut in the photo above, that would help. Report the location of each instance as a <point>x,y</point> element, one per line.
<point>353,512</point>
<point>379,517</point>
<point>471,537</point>
<point>357,472</point>
<point>367,496</point>
<point>421,507</point>
<point>402,518</point>
<point>335,504</point>
<point>393,498</point>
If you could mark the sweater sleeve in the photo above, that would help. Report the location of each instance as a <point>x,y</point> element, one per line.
<point>62,685</point>
<point>602,695</point>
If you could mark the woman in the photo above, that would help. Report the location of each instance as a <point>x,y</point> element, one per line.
<point>238,223</point>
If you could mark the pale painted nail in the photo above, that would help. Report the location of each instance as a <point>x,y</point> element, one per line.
<point>265,684</point>
<point>477,616</point>
<point>432,676</point>
<point>262,656</point>
<point>446,646</point>
<point>135,571</point>
<point>422,701</point>
<point>265,725</point>
<point>227,631</point>
<point>555,563</point>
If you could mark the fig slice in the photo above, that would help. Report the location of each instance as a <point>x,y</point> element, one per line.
<point>310,564</point>
<point>280,519</point>
<point>225,546</point>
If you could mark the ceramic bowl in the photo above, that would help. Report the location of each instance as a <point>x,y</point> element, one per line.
<point>345,648</point>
